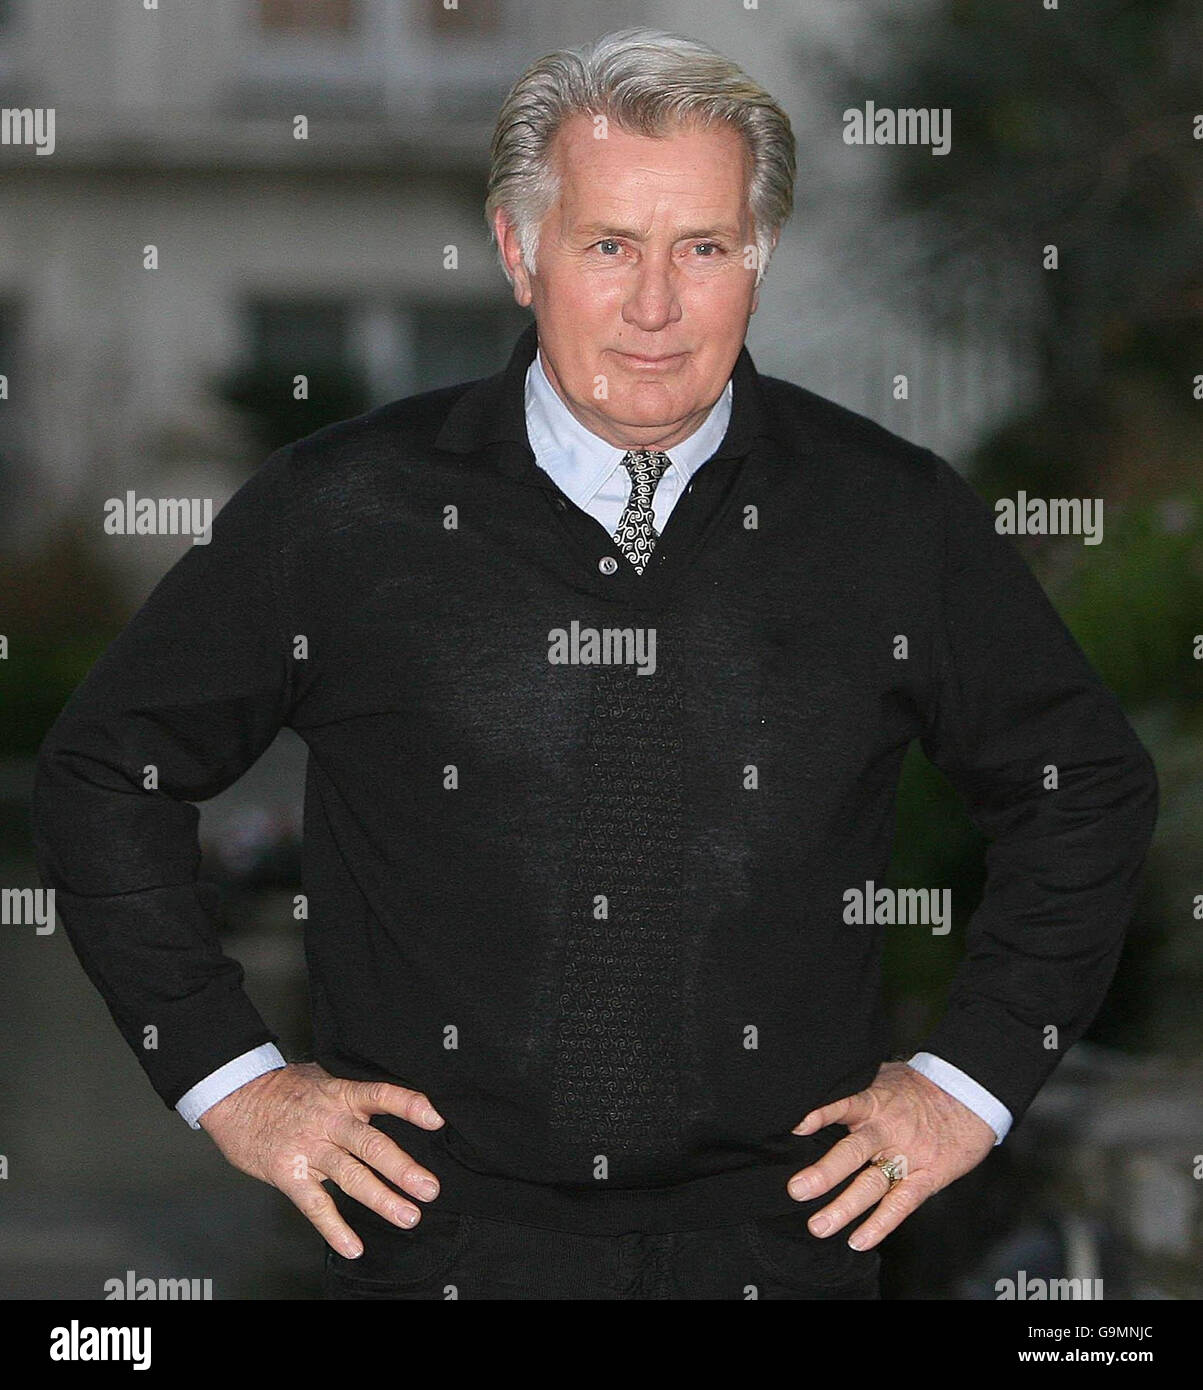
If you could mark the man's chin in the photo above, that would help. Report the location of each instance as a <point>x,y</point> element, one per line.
<point>655,410</point>
<point>649,394</point>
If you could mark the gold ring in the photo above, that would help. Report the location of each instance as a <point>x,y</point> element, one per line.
<point>892,1168</point>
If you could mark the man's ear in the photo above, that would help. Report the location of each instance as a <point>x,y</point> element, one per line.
<point>511,252</point>
<point>756,291</point>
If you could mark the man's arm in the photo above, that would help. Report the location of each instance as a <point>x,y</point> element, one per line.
<point>174,711</point>
<point>179,705</point>
<point>1053,775</point>
<point>1051,772</point>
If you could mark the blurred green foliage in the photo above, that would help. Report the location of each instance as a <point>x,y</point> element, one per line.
<point>61,610</point>
<point>1071,128</point>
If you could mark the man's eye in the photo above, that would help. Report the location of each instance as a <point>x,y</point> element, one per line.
<point>617,245</point>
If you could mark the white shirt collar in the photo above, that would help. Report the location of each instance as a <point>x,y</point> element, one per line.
<point>579,461</point>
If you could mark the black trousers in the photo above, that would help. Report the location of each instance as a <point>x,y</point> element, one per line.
<point>449,1256</point>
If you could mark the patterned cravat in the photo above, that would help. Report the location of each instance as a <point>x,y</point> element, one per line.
<point>636,535</point>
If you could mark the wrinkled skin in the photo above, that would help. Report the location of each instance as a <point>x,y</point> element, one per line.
<point>298,1125</point>
<point>902,1115</point>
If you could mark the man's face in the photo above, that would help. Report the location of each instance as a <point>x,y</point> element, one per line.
<point>643,257</point>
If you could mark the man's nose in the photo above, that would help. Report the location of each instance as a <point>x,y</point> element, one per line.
<point>653,301</point>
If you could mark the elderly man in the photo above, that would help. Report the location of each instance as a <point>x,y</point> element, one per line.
<point>606,666</point>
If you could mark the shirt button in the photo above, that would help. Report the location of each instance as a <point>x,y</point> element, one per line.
<point>607,564</point>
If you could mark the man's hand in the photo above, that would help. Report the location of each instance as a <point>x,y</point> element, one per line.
<point>904,1116</point>
<point>297,1125</point>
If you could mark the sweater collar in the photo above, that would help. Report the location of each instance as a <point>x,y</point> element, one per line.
<point>494,408</point>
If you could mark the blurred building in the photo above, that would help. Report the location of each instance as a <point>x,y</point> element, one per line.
<point>357,256</point>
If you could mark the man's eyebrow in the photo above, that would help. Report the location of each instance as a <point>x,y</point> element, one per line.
<point>603,229</point>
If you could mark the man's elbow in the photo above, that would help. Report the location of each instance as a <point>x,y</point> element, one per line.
<point>46,802</point>
<point>63,774</point>
<point>1145,797</point>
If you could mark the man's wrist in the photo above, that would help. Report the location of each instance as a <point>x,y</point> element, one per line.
<point>986,1106</point>
<point>227,1079</point>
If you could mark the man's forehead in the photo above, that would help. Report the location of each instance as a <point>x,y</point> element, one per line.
<point>586,222</point>
<point>615,199</point>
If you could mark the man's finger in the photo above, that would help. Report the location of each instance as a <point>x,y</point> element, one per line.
<point>868,1189</point>
<point>317,1206</point>
<point>378,1151</point>
<point>842,1159</point>
<point>383,1098</point>
<point>893,1209</point>
<point>360,1183</point>
<point>850,1110</point>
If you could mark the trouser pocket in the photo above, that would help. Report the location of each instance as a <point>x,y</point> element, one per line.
<point>791,1262</point>
<point>396,1263</point>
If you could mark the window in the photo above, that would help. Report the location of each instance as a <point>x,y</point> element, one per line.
<point>288,338</point>
<point>457,342</point>
<point>291,333</point>
<point>358,352</point>
<point>301,17</point>
<point>471,17</point>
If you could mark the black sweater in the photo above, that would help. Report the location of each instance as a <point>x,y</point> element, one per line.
<point>598,915</point>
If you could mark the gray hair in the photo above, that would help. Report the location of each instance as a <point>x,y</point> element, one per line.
<point>647,82</point>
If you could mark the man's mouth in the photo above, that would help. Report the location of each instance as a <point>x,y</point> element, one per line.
<point>637,359</point>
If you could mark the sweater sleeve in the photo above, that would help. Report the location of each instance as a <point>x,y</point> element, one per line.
<point>177,707</point>
<point>1054,777</point>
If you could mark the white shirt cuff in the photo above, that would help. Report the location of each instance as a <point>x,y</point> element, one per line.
<point>965,1089</point>
<point>220,1083</point>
